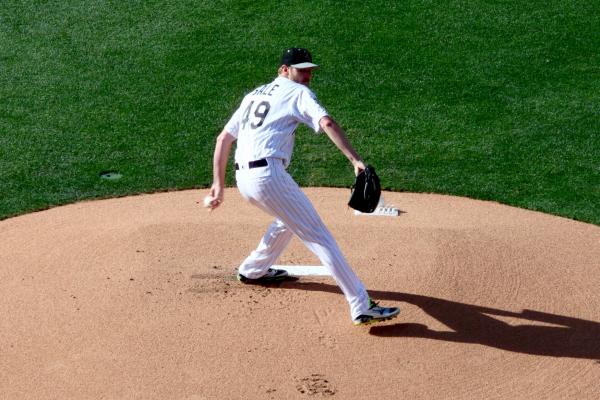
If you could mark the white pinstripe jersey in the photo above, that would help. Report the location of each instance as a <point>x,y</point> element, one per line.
<point>267,118</point>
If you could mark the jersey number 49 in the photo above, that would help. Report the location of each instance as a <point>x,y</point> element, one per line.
<point>257,117</point>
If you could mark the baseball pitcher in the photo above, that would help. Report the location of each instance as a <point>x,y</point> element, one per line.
<point>264,126</point>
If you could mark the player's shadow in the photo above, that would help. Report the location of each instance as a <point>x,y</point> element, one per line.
<point>528,331</point>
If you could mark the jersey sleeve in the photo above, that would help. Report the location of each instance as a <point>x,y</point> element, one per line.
<point>310,110</point>
<point>233,125</point>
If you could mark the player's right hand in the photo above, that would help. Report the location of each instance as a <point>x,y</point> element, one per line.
<point>218,195</point>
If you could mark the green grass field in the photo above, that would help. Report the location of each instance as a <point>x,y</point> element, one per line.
<point>495,100</point>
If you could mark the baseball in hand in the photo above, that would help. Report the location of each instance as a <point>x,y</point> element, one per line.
<point>208,201</point>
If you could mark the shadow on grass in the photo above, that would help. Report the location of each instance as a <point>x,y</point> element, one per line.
<point>560,336</point>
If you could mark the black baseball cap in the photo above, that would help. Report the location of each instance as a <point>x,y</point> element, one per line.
<point>297,58</point>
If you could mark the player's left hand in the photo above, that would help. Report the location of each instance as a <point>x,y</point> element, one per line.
<point>359,166</point>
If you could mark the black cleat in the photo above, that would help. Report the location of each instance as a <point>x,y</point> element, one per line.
<point>272,275</point>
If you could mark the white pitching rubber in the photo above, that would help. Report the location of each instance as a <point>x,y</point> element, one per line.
<point>304,270</point>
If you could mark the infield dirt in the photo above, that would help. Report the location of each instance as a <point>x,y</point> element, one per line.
<point>136,297</point>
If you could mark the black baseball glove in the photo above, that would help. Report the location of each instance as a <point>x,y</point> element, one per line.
<point>365,192</point>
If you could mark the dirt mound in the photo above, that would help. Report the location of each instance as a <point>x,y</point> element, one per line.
<point>136,298</point>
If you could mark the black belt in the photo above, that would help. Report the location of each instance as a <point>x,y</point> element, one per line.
<point>254,164</point>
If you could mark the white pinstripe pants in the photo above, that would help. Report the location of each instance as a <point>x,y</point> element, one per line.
<point>274,191</point>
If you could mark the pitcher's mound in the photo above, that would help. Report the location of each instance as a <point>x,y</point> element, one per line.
<point>137,298</point>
